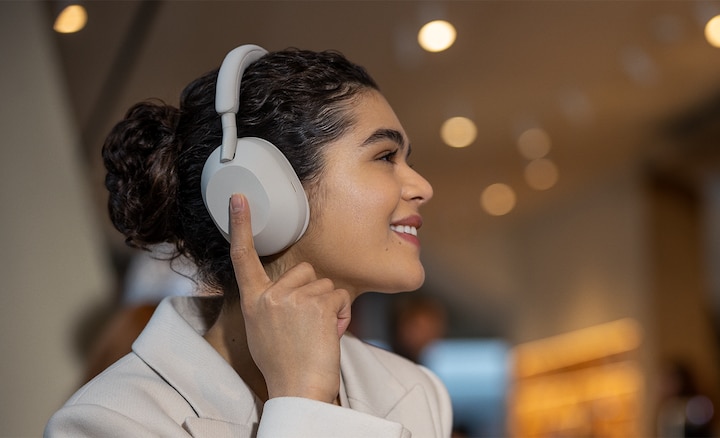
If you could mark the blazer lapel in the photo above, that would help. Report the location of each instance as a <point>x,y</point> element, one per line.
<point>372,387</point>
<point>173,346</point>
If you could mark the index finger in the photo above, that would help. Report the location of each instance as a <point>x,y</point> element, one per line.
<point>249,272</point>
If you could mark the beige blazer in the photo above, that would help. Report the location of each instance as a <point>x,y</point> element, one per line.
<point>175,384</point>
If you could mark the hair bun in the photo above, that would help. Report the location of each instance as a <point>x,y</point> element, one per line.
<point>140,155</point>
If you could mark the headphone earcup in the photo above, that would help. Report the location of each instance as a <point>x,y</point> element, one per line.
<point>278,204</point>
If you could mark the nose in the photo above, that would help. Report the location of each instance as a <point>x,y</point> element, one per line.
<point>415,187</point>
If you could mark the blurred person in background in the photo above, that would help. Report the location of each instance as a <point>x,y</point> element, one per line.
<point>684,411</point>
<point>417,321</point>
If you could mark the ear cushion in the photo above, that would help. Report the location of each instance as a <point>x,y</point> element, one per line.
<point>278,204</point>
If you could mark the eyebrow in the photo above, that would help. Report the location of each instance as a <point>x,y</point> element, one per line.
<point>386,134</point>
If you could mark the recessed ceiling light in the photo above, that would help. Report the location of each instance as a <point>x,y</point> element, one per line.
<point>71,19</point>
<point>498,199</point>
<point>712,31</point>
<point>458,132</point>
<point>437,36</point>
<point>541,174</point>
<point>534,143</point>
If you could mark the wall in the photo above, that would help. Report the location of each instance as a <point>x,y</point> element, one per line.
<point>583,260</point>
<point>52,265</point>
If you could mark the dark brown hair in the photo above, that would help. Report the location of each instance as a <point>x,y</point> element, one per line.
<point>298,100</point>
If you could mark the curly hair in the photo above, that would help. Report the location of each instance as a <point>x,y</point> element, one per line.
<point>298,100</point>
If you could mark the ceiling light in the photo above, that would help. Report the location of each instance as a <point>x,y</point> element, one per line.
<point>534,143</point>
<point>541,174</point>
<point>437,36</point>
<point>72,19</point>
<point>712,31</point>
<point>458,132</point>
<point>498,199</point>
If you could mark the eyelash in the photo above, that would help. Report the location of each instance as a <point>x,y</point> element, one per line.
<point>390,156</point>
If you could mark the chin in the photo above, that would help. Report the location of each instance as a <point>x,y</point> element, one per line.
<point>408,283</point>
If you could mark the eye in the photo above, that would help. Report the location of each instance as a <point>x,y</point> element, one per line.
<point>389,156</point>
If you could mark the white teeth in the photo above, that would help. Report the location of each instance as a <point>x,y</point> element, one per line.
<point>407,229</point>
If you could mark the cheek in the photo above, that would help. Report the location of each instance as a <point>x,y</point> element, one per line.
<point>350,215</point>
<point>366,207</point>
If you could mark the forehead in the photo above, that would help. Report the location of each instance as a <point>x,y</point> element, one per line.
<point>372,119</point>
<point>372,113</point>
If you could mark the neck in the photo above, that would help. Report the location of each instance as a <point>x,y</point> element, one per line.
<point>227,336</point>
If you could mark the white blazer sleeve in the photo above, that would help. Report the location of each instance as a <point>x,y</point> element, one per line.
<point>299,418</point>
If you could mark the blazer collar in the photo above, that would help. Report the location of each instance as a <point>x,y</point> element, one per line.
<point>370,387</point>
<point>373,387</point>
<point>172,345</point>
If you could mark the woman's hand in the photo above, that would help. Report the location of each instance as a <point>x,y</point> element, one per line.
<point>293,325</point>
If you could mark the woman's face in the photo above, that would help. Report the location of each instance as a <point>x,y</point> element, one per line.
<point>365,207</point>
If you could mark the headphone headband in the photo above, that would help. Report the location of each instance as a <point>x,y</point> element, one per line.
<point>279,206</point>
<point>227,93</point>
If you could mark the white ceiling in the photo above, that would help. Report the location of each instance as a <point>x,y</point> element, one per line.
<point>601,77</point>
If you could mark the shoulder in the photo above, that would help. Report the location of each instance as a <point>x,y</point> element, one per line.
<point>127,396</point>
<point>128,377</point>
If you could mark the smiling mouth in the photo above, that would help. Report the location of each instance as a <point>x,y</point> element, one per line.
<point>405,229</point>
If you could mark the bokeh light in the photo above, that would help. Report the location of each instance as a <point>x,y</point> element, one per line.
<point>541,174</point>
<point>72,19</point>
<point>534,143</point>
<point>498,199</point>
<point>712,31</point>
<point>458,132</point>
<point>437,36</point>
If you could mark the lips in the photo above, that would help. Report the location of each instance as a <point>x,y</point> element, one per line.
<point>406,229</point>
<point>414,221</point>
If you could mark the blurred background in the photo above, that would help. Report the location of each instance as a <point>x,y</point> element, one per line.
<point>572,247</point>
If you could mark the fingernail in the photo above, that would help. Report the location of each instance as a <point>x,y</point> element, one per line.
<point>236,203</point>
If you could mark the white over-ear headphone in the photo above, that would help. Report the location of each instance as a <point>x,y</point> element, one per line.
<point>278,204</point>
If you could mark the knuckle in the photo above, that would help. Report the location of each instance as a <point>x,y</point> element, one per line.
<point>306,267</point>
<point>304,271</point>
<point>274,300</point>
<point>326,284</point>
<point>239,252</point>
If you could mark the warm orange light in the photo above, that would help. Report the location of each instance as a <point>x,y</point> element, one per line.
<point>534,143</point>
<point>498,199</point>
<point>712,31</point>
<point>562,381</point>
<point>541,174</point>
<point>437,36</point>
<point>576,347</point>
<point>458,132</point>
<point>72,19</point>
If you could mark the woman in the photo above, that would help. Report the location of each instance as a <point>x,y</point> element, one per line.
<point>264,351</point>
